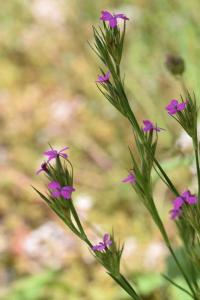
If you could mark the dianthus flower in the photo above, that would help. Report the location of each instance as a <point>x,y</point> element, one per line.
<point>104,244</point>
<point>129,179</point>
<point>51,154</point>
<point>112,19</point>
<point>148,126</point>
<point>174,106</point>
<point>58,191</point>
<point>103,78</point>
<point>186,197</point>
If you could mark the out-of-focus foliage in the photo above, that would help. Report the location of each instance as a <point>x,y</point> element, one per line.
<point>48,95</point>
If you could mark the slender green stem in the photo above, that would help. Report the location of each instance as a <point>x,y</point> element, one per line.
<point>183,85</point>
<point>122,281</point>
<point>161,227</point>
<point>196,151</point>
<point>177,285</point>
<point>182,271</point>
<point>157,218</point>
<point>170,184</point>
<point>82,232</point>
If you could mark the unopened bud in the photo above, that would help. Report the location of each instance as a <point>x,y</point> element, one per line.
<point>175,64</point>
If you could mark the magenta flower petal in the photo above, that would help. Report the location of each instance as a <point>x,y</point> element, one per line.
<point>106,240</point>
<point>178,202</point>
<point>65,148</point>
<point>174,102</point>
<point>99,247</point>
<point>175,213</point>
<point>185,194</point>
<point>103,78</point>
<point>54,185</point>
<point>181,106</point>
<point>54,153</point>
<point>105,15</point>
<point>113,22</point>
<point>56,193</point>
<point>129,179</point>
<point>121,16</point>
<point>112,19</point>
<point>192,200</point>
<point>148,126</point>
<point>66,192</point>
<point>50,152</point>
<point>189,198</point>
<point>103,245</point>
<point>186,197</point>
<point>174,106</point>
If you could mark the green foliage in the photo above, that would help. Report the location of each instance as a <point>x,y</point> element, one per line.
<point>32,287</point>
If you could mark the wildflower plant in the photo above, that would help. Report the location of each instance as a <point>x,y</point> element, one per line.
<point>185,211</point>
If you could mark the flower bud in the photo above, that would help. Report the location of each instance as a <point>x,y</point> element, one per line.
<point>175,64</point>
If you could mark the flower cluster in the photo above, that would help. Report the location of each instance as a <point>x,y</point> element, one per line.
<point>51,154</point>
<point>60,189</point>
<point>185,198</point>
<point>57,190</point>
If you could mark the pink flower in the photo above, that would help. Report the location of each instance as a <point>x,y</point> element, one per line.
<point>174,106</point>
<point>103,78</point>
<point>58,191</point>
<point>51,154</point>
<point>112,19</point>
<point>104,244</point>
<point>148,126</point>
<point>185,197</point>
<point>129,179</point>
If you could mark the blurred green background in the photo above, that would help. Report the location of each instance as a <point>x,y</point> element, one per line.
<point>48,95</point>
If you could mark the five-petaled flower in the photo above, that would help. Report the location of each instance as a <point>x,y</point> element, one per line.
<point>185,197</point>
<point>51,154</point>
<point>149,126</point>
<point>58,191</point>
<point>103,78</point>
<point>129,179</point>
<point>43,168</point>
<point>112,19</point>
<point>174,106</point>
<point>104,244</point>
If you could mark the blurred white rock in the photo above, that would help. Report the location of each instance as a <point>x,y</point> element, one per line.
<point>130,247</point>
<point>184,142</point>
<point>48,11</point>
<point>50,245</point>
<point>83,203</point>
<point>154,255</point>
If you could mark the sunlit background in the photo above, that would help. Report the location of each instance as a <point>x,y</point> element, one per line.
<point>48,95</point>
